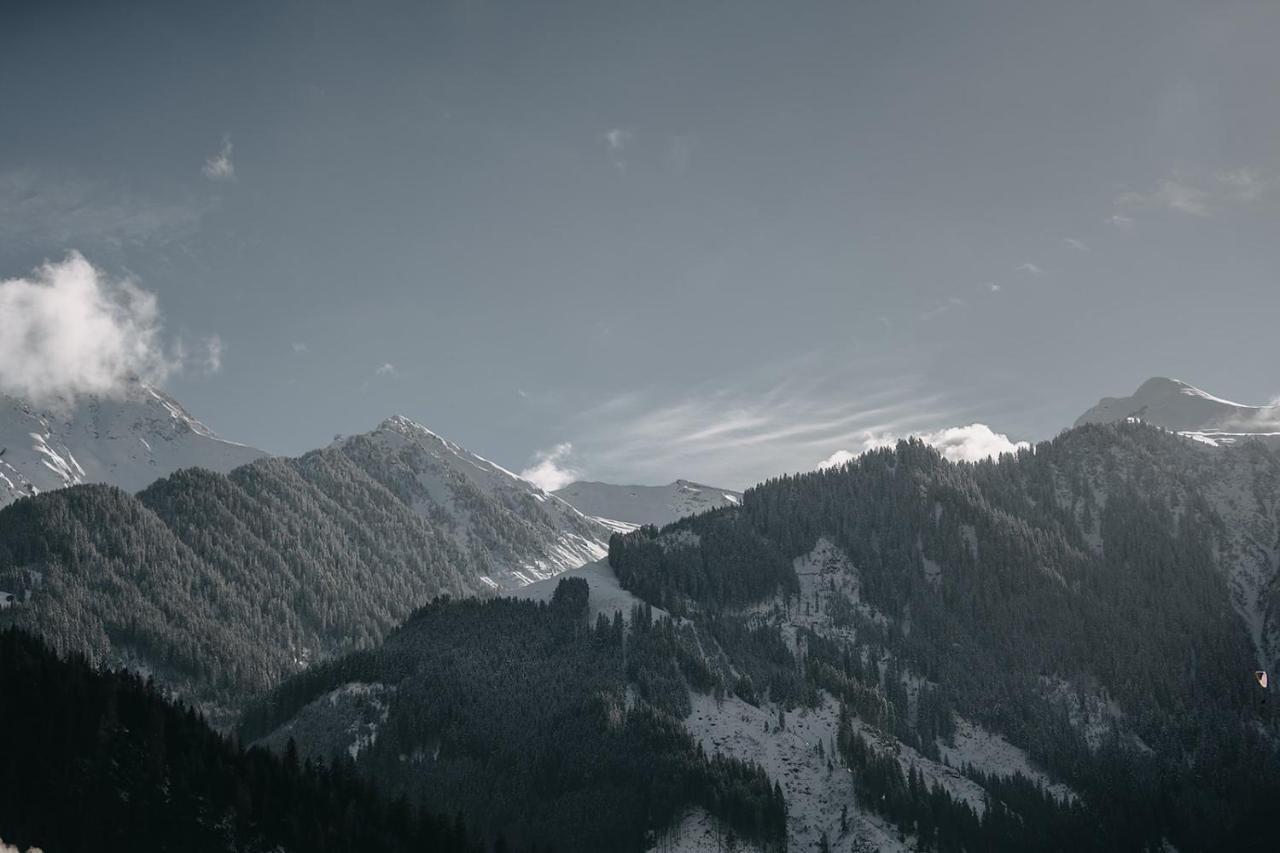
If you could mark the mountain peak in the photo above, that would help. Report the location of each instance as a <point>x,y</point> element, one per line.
<point>1182,407</point>
<point>127,439</point>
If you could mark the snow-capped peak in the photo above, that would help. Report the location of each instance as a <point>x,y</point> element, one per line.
<point>1181,407</point>
<point>128,440</point>
<point>515,529</point>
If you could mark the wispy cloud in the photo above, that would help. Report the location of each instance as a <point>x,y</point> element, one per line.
<point>385,369</point>
<point>617,139</point>
<point>212,361</point>
<point>946,306</point>
<point>1030,269</point>
<point>219,166</point>
<point>51,213</point>
<point>959,444</point>
<point>1202,195</point>
<point>993,287</point>
<point>1073,243</point>
<point>69,329</point>
<point>739,434</point>
<point>300,348</point>
<point>1119,220</point>
<point>550,469</point>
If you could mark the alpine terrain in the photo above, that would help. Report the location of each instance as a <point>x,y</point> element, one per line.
<point>637,505</point>
<point>128,440</point>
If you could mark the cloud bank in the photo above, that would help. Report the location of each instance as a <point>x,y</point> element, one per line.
<point>68,330</point>
<point>970,443</point>
<point>550,469</point>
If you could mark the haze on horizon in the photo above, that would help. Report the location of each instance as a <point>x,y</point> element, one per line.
<point>716,241</point>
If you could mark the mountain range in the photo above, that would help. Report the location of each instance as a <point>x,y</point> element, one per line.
<point>1053,650</point>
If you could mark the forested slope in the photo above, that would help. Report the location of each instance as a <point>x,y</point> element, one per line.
<point>519,713</point>
<point>1080,598</point>
<point>93,760</point>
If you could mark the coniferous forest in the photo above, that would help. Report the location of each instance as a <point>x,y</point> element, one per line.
<point>99,760</point>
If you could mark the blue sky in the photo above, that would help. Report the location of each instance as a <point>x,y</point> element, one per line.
<point>715,240</point>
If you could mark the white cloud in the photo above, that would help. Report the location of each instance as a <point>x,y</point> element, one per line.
<point>1119,220</point>
<point>958,444</point>
<point>385,369</point>
<point>617,138</point>
<point>1203,195</point>
<point>213,354</point>
<point>299,347</point>
<point>1073,243</point>
<point>1030,269</point>
<point>840,457</point>
<point>950,304</point>
<point>220,167</point>
<point>993,287</point>
<point>768,423</point>
<point>550,469</point>
<point>1173,194</point>
<point>67,329</point>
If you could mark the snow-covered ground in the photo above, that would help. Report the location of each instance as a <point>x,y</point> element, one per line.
<point>814,784</point>
<point>128,441</point>
<point>992,754</point>
<point>606,595</point>
<point>656,505</point>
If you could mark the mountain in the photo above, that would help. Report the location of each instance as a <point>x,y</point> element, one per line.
<point>636,505</point>
<point>1176,406</point>
<point>223,584</point>
<point>1050,651</point>
<point>515,531</point>
<point>128,441</point>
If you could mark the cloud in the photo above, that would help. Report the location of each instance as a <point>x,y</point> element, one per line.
<point>1119,220</point>
<point>299,347</point>
<point>220,167</point>
<point>765,424</point>
<point>1073,243</point>
<point>1202,195</point>
<point>944,307</point>
<point>385,369</point>
<point>1030,269</point>
<point>993,287</point>
<point>213,354</point>
<point>1173,194</point>
<point>550,470</point>
<point>617,138</point>
<point>67,330</point>
<point>50,213</point>
<point>958,444</point>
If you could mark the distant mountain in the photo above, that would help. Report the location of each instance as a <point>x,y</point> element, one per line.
<point>636,505</point>
<point>513,530</point>
<point>1174,405</point>
<point>127,441</point>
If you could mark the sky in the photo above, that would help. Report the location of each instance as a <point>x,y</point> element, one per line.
<point>635,242</point>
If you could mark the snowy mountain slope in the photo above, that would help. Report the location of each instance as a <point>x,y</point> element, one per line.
<point>518,533</point>
<point>128,442</point>
<point>657,505</point>
<point>1174,405</point>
